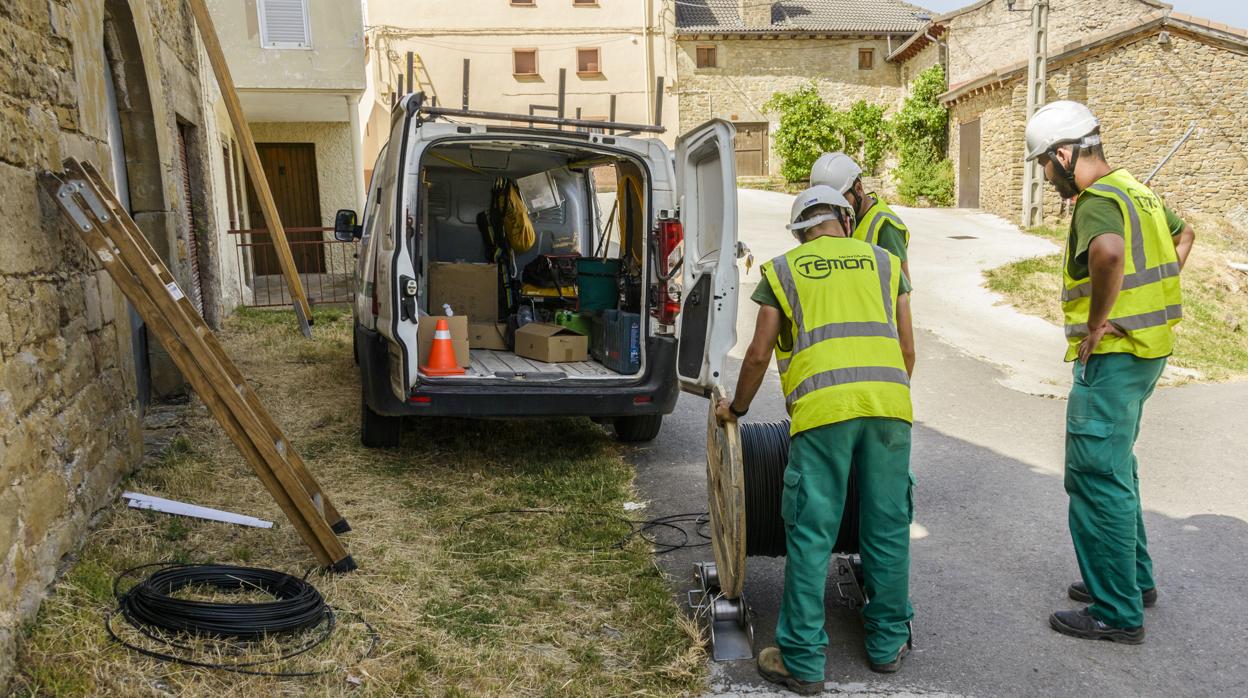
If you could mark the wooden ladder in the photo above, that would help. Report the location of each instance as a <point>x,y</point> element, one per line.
<point>114,238</point>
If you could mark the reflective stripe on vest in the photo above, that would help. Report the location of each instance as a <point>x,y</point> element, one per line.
<point>1149,301</point>
<point>833,330</point>
<point>868,229</point>
<point>841,376</point>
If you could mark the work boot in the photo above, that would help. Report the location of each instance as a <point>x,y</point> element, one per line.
<point>893,666</point>
<point>1084,625</point>
<point>771,667</point>
<point>1079,592</point>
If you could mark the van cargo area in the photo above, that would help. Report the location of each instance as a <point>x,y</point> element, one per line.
<point>538,251</point>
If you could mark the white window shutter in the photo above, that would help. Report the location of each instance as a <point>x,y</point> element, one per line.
<point>284,24</point>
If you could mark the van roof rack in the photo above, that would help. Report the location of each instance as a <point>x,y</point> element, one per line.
<point>609,126</point>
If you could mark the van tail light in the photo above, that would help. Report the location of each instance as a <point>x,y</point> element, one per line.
<point>671,252</point>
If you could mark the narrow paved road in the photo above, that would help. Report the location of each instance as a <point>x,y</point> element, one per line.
<point>991,552</point>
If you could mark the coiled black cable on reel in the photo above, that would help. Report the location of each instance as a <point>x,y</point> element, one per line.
<point>764,455</point>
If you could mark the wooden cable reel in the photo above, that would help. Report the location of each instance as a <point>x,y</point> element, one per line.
<point>725,490</point>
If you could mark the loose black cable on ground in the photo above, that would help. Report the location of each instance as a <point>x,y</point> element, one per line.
<point>647,530</point>
<point>151,609</point>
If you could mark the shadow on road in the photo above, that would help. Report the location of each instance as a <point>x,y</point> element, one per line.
<point>993,564</point>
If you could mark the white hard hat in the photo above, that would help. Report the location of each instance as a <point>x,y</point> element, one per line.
<point>815,196</point>
<point>836,170</point>
<point>1058,123</point>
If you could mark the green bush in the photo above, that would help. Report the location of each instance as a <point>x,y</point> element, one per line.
<point>930,182</point>
<point>806,130</point>
<point>809,127</point>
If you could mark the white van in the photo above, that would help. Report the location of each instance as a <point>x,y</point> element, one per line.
<point>666,223</point>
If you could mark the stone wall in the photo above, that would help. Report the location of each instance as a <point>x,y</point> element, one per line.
<point>992,36</point>
<point>750,71</point>
<point>69,415</point>
<point>1146,94</point>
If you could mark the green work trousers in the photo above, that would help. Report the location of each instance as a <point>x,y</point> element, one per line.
<point>1102,479</point>
<point>815,483</point>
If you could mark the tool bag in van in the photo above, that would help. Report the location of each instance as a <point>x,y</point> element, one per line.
<point>508,208</point>
<point>556,271</point>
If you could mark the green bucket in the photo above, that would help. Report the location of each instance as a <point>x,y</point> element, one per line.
<point>597,281</point>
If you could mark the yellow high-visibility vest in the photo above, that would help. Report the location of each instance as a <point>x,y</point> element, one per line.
<point>841,358</point>
<point>1150,302</point>
<point>868,228</point>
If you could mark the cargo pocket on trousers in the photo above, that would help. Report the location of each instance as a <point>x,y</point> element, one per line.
<point>1088,445</point>
<point>793,498</point>
<point>910,499</point>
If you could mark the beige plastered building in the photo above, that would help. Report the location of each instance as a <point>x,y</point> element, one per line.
<point>298,66</point>
<point>515,51</point>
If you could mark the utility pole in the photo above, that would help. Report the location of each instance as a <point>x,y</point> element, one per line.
<point>1033,179</point>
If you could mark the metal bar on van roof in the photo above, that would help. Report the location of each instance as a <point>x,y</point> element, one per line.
<point>658,102</point>
<point>611,117</point>
<point>534,119</point>
<point>563,89</point>
<point>466,84</point>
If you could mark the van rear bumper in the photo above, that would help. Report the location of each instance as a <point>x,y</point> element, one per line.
<point>655,393</point>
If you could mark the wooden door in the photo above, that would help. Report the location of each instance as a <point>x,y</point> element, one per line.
<point>968,164</point>
<point>291,171</point>
<point>751,147</point>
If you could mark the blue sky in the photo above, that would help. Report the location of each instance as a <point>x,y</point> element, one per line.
<point>1232,12</point>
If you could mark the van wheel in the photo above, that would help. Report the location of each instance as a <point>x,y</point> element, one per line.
<point>378,430</point>
<point>640,428</point>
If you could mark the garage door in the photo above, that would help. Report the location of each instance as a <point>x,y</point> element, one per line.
<point>751,147</point>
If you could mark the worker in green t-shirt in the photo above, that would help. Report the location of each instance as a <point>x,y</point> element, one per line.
<point>1121,299</point>
<point>876,222</point>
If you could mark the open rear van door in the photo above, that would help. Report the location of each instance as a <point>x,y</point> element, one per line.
<point>706,187</point>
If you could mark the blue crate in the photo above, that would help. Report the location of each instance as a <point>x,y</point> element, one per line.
<point>621,346</point>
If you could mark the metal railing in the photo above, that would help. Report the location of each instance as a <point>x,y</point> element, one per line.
<point>326,267</point>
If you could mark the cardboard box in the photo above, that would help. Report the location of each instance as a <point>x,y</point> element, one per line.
<point>485,335</point>
<point>459,336</point>
<point>542,341</point>
<point>470,289</point>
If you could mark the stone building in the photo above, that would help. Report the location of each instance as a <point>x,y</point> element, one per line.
<point>126,85</point>
<point>733,55</point>
<point>1148,81</point>
<point>1118,56</point>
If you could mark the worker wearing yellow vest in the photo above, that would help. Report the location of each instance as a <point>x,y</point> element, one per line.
<point>836,312</point>
<point>1121,299</point>
<point>877,223</point>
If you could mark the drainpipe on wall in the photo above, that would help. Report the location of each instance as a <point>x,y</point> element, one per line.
<point>357,150</point>
<point>944,54</point>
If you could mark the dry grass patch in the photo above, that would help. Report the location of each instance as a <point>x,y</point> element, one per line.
<point>1213,337</point>
<point>509,604</point>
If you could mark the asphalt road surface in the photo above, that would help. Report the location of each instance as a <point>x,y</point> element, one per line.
<point>991,553</point>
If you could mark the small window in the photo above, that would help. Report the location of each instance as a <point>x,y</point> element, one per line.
<point>524,3</point>
<point>584,3</point>
<point>866,58</point>
<point>284,24</point>
<point>524,61</point>
<point>707,57</point>
<point>588,61</point>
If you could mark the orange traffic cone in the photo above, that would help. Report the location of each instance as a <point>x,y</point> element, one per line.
<point>442,353</point>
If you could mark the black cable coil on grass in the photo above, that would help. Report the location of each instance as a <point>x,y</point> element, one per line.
<point>151,609</point>
<point>298,604</point>
<point>764,455</point>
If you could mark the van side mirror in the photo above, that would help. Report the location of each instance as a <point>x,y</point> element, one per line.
<point>345,228</point>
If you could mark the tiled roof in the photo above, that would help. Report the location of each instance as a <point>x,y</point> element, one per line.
<point>875,16</point>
